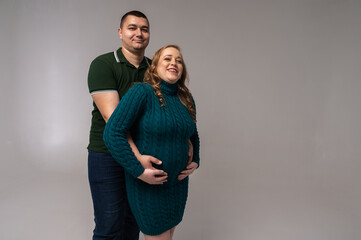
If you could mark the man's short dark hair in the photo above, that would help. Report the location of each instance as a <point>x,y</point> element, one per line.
<point>132,13</point>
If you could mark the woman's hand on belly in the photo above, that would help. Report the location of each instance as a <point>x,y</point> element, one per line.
<point>188,170</point>
<point>156,176</point>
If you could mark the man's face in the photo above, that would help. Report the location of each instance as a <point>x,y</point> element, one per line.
<point>134,33</point>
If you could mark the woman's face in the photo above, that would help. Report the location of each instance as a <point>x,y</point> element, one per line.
<point>170,65</point>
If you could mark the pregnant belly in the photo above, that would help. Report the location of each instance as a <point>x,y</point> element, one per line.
<point>173,166</point>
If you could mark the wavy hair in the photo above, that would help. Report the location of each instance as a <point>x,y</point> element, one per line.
<point>151,76</point>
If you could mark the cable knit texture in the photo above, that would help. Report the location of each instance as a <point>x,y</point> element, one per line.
<point>162,132</point>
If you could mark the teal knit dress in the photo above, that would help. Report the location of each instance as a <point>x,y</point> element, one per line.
<point>162,132</point>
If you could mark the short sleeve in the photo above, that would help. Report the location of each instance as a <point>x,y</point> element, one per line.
<point>101,76</point>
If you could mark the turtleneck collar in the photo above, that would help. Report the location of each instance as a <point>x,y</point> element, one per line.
<point>168,88</point>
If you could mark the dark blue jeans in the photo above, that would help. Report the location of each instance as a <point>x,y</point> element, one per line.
<point>112,215</point>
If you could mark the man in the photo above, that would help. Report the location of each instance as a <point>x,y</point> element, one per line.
<point>110,76</point>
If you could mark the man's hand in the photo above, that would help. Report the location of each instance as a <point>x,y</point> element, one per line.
<point>156,176</point>
<point>190,151</point>
<point>147,160</point>
<point>188,171</point>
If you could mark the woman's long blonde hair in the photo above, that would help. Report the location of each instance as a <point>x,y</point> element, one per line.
<point>151,77</point>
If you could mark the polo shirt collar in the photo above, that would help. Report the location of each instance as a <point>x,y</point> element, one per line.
<point>122,59</point>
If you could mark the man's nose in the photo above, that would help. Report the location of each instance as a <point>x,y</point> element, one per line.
<point>138,32</point>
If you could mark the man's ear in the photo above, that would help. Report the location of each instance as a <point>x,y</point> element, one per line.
<point>120,33</point>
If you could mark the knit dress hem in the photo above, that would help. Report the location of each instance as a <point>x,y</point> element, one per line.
<point>163,230</point>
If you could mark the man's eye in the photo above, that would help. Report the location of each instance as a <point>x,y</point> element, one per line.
<point>145,30</point>
<point>132,29</point>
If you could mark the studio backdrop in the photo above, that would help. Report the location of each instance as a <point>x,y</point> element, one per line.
<point>277,86</point>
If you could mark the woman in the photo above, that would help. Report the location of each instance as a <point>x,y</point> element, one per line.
<point>160,114</point>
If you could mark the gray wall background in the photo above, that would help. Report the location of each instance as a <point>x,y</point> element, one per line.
<point>277,85</point>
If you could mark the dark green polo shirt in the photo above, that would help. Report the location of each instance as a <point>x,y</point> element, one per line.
<point>106,74</point>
